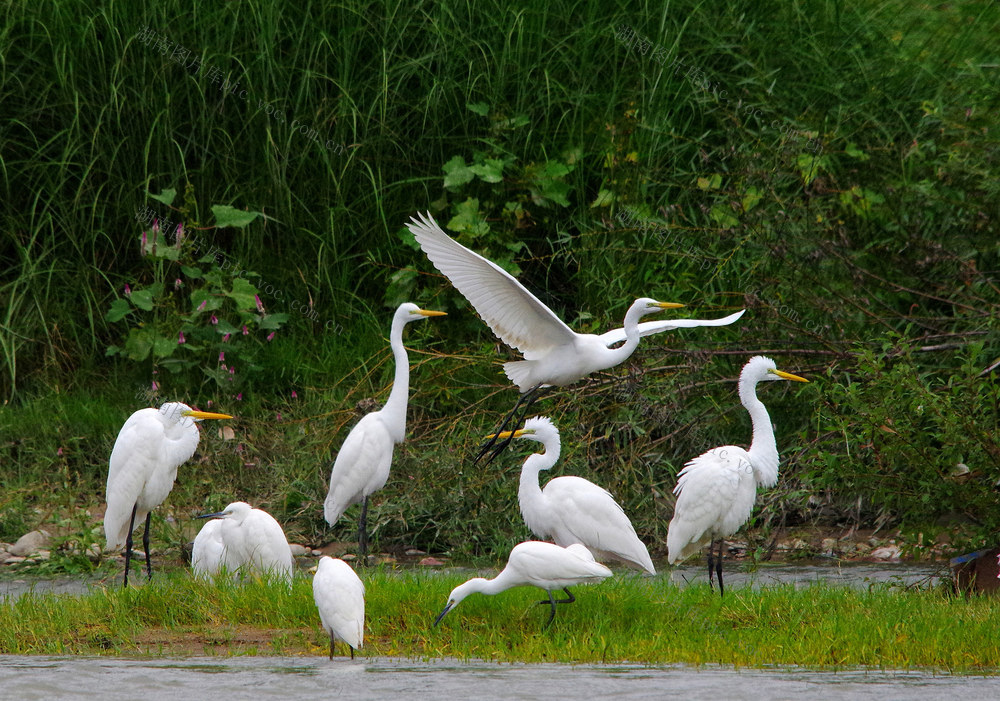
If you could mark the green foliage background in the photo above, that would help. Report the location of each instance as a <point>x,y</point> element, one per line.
<point>830,166</point>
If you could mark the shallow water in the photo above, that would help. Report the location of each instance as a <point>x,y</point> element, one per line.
<point>289,678</point>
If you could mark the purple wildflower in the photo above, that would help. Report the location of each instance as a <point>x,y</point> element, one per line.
<point>260,305</point>
<point>180,337</point>
<point>270,336</point>
<point>201,307</point>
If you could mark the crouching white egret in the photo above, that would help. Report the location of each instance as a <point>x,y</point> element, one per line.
<point>340,598</point>
<point>143,466</point>
<point>208,550</point>
<point>716,490</point>
<point>571,509</point>
<point>536,564</point>
<point>554,354</point>
<point>362,465</point>
<point>253,542</point>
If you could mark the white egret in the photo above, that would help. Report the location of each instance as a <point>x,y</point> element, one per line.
<point>340,598</point>
<point>143,466</point>
<point>208,550</point>
<point>536,564</point>
<point>362,465</point>
<point>716,490</point>
<point>253,542</point>
<point>554,354</point>
<point>571,509</point>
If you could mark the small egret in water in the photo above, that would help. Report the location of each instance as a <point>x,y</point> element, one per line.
<point>253,542</point>
<point>536,564</point>
<point>554,354</point>
<point>143,466</point>
<point>716,490</point>
<point>571,509</point>
<point>340,598</point>
<point>362,465</point>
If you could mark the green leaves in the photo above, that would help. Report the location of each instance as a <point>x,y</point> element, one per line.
<point>119,308</point>
<point>230,216</point>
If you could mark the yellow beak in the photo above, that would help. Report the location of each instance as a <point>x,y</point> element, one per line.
<point>430,312</point>
<point>206,415</point>
<point>506,434</point>
<point>668,305</point>
<point>788,376</point>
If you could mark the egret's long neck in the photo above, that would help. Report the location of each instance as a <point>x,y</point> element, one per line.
<point>394,411</point>
<point>763,449</point>
<point>622,352</point>
<point>529,493</point>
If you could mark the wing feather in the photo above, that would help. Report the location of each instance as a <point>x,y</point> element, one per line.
<point>647,328</point>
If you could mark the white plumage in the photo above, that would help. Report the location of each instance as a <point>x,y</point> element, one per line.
<point>253,543</point>
<point>340,598</point>
<point>208,549</point>
<point>143,466</point>
<point>571,509</point>
<point>716,490</point>
<point>537,564</point>
<point>553,353</point>
<point>362,464</point>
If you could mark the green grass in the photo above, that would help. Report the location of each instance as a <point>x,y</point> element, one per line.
<point>624,619</point>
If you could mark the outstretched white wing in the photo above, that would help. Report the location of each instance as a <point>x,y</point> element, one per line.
<point>647,328</point>
<point>515,315</point>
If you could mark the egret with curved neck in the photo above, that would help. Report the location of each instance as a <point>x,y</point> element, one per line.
<point>716,491</point>
<point>362,465</point>
<point>571,509</point>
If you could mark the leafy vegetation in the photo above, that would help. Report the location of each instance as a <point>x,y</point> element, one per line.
<point>831,168</point>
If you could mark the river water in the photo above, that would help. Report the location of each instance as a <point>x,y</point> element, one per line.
<point>187,679</point>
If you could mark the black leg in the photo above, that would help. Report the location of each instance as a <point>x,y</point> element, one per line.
<point>718,566</point>
<point>145,547</point>
<point>552,615</point>
<point>331,644</point>
<point>711,563</point>
<point>128,544</point>
<point>527,399</point>
<point>352,652</point>
<point>569,600</point>
<point>363,532</point>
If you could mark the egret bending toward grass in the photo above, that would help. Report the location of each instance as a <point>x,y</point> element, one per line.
<point>536,564</point>
<point>143,466</point>
<point>571,509</point>
<point>716,490</point>
<point>554,354</point>
<point>362,465</point>
<point>253,542</point>
<point>208,550</point>
<point>340,598</point>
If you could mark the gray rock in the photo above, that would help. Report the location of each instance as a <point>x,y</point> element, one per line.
<point>299,550</point>
<point>29,543</point>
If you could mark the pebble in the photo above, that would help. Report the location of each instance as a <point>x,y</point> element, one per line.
<point>317,553</point>
<point>888,552</point>
<point>299,550</point>
<point>413,551</point>
<point>29,543</point>
<point>430,562</point>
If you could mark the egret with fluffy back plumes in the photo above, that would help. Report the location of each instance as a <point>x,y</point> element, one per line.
<point>536,564</point>
<point>150,447</point>
<point>362,465</point>
<point>716,490</point>
<point>207,550</point>
<point>340,598</point>
<point>554,354</point>
<point>253,542</point>
<point>571,509</point>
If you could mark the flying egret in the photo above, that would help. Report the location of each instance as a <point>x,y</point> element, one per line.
<point>554,354</point>
<point>536,564</point>
<point>716,490</point>
<point>253,542</point>
<point>571,509</point>
<point>362,465</point>
<point>208,550</point>
<point>143,466</point>
<point>340,598</point>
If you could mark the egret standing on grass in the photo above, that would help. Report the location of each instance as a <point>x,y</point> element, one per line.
<point>340,598</point>
<point>536,564</point>
<point>716,490</point>
<point>208,550</point>
<point>554,354</point>
<point>253,542</point>
<point>571,509</point>
<point>362,465</point>
<point>143,466</point>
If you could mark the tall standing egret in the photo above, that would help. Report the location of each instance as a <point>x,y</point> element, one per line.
<point>253,542</point>
<point>208,550</point>
<point>362,465</point>
<point>340,598</point>
<point>716,490</point>
<point>143,466</point>
<point>554,354</point>
<point>536,564</point>
<point>571,509</point>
